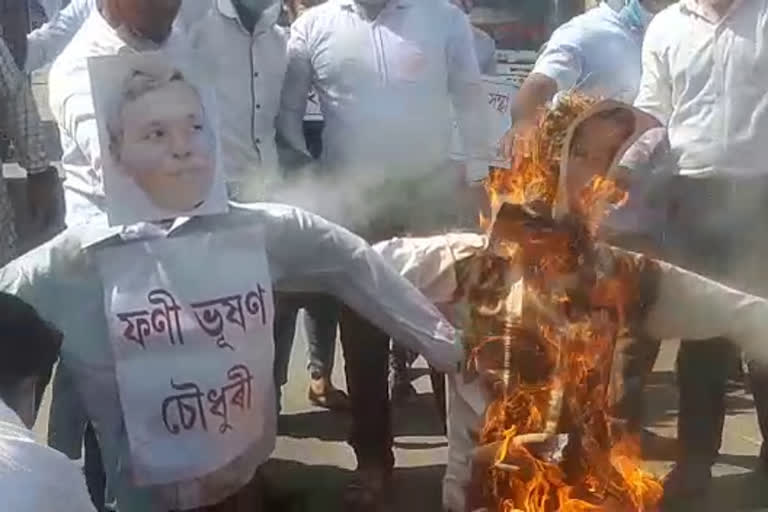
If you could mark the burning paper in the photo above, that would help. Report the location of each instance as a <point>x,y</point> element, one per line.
<point>546,305</point>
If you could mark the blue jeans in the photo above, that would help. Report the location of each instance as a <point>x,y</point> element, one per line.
<point>320,323</point>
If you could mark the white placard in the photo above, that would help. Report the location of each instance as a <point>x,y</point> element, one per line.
<point>190,323</point>
<point>499,93</point>
<point>313,112</point>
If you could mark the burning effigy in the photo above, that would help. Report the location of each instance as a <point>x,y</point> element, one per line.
<point>542,302</point>
<point>546,304</point>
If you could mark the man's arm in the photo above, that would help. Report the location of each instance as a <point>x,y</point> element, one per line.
<point>296,87</point>
<point>655,92</point>
<point>20,118</point>
<point>693,307</point>
<point>465,86</point>
<point>318,256</point>
<point>47,42</point>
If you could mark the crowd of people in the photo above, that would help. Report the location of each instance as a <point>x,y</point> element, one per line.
<point>214,101</point>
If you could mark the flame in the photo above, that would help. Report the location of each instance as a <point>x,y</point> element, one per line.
<point>551,351</point>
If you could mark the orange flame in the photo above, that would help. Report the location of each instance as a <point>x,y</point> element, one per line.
<point>553,361</point>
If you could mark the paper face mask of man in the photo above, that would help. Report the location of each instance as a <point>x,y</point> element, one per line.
<point>159,138</point>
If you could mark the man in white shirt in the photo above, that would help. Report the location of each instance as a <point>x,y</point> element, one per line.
<point>48,41</point>
<point>117,26</point>
<point>386,73</point>
<point>385,99</point>
<point>44,44</point>
<point>597,53</point>
<point>33,477</point>
<point>247,89</point>
<point>704,70</point>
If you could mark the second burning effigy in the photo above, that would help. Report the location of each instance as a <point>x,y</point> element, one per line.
<point>546,304</point>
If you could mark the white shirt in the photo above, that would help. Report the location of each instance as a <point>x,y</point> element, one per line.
<point>385,86</point>
<point>47,42</point>
<point>72,106</point>
<point>34,477</point>
<point>247,72</point>
<point>305,254</point>
<point>44,44</point>
<point>597,53</point>
<point>705,80</point>
<point>485,49</point>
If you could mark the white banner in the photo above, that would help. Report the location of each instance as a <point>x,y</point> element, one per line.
<point>190,323</point>
<point>499,92</point>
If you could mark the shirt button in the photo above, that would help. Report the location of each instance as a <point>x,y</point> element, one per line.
<point>256,74</point>
<point>258,106</point>
<point>258,140</point>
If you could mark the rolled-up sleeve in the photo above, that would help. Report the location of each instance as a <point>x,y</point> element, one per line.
<point>314,255</point>
<point>296,86</point>
<point>655,92</point>
<point>561,59</point>
<point>47,42</point>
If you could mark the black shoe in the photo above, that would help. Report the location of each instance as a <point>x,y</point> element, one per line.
<point>402,392</point>
<point>686,481</point>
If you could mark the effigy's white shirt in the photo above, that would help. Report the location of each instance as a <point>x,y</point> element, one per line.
<point>305,253</point>
<point>34,477</point>
<point>687,306</point>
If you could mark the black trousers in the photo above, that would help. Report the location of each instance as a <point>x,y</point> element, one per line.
<point>366,363</point>
<point>715,229</point>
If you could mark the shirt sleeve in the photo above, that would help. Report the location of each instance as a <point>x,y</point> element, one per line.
<point>72,105</point>
<point>561,59</point>
<point>692,307</point>
<point>315,255</point>
<point>655,92</point>
<point>47,42</point>
<point>20,118</point>
<point>465,87</point>
<point>296,87</point>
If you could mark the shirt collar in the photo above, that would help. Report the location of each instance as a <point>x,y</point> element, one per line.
<point>133,232</point>
<point>227,9</point>
<point>694,8</point>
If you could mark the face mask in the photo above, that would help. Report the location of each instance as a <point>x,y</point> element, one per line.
<point>636,16</point>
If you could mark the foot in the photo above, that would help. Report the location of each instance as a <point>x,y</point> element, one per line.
<point>686,481</point>
<point>322,394</point>
<point>371,490</point>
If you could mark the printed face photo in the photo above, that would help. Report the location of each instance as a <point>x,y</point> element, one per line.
<point>158,139</point>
